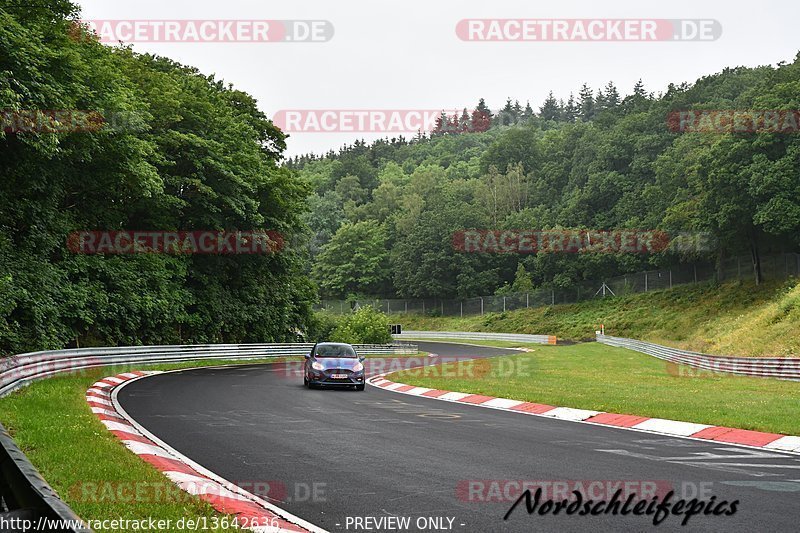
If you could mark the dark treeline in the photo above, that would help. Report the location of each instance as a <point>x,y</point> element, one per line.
<point>383,213</point>
<point>192,154</point>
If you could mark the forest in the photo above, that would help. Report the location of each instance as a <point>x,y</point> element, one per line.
<point>98,138</point>
<point>716,161</point>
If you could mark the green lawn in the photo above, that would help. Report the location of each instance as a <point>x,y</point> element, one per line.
<point>603,378</point>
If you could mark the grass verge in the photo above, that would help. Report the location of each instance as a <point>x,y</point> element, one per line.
<point>87,465</point>
<point>604,378</point>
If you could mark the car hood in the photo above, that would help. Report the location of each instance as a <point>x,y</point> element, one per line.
<point>337,362</point>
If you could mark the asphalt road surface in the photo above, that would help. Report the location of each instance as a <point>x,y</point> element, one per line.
<point>345,460</point>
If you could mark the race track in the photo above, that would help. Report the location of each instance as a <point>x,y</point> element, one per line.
<point>378,454</point>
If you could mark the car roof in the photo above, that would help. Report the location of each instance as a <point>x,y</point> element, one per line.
<point>334,344</point>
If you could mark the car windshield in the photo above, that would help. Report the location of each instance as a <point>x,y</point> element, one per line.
<point>334,350</point>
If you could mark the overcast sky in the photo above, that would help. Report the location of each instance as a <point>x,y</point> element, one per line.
<point>406,54</point>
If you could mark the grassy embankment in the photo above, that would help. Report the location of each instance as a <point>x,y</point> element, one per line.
<point>728,319</point>
<point>737,318</point>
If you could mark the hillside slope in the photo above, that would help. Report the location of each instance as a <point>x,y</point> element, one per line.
<point>729,319</point>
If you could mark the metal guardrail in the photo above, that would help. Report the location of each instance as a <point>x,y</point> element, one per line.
<point>23,491</point>
<point>20,370</point>
<point>514,337</point>
<point>768,367</point>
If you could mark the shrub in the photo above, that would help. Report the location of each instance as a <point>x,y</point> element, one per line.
<point>364,326</point>
<point>321,327</point>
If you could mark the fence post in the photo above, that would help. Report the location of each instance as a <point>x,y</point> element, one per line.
<point>645,282</point>
<point>387,307</point>
<point>694,268</point>
<point>527,299</point>
<point>504,304</point>
<point>481,305</point>
<point>406,302</point>
<point>670,278</point>
<point>462,309</point>
<point>552,297</point>
<point>738,267</point>
<point>423,306</point>
<point>441,302</point>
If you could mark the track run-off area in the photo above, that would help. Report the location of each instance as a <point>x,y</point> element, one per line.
<point>381,461</point>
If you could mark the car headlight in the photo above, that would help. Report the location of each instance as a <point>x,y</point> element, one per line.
<point>317,366</point>
<point>358,368</point>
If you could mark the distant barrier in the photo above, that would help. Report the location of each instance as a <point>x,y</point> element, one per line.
<point>765,367</point>
<point>24,494</point>
<point>513,337</point>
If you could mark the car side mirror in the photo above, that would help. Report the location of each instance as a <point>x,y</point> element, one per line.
<point>362,358</point>
<point>308,356</point>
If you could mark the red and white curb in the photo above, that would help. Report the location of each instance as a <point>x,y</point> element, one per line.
<point>744,437</point>
<point>257,514</point>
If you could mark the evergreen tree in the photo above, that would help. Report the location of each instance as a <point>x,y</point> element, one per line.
<point>549,109</point>
<point>611,95</point>
<point>483,109</point>
<point>638,89</point>
<point>570,110</point>
<point>506,115</point>
<point>527,114</point>
<point>464,121</point>
<point>517,111</point>
<point>600,103</point>
<point>586,107</point>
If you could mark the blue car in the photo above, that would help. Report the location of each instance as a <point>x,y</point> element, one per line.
<point>333,364</point>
